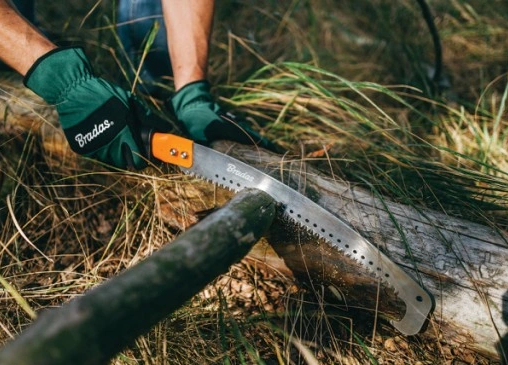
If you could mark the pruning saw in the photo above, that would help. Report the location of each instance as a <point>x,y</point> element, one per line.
<point>213,166</point>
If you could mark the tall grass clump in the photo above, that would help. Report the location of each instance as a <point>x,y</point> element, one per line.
<point>375,136</point>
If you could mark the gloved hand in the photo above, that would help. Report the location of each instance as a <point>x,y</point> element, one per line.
<point>204,121</point>
<point>100,120</point>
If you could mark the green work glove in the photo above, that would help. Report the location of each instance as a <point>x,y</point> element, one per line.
<point>100,120</point>
<point>204,121</point>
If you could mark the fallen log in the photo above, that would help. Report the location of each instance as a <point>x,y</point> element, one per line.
<point>463,264</point>
<point>92,328</point>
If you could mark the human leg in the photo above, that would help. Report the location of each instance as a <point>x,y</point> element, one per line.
<point>135,20</point>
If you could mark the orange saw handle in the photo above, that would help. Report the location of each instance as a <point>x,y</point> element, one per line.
<point>172,149</point>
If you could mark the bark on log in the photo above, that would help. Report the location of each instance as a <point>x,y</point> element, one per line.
<point>92,328</point>
<point>463,264</point>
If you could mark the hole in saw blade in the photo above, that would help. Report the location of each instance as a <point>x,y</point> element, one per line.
<point>225,180</point>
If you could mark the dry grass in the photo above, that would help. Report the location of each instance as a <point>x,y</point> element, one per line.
<point>68,223</point>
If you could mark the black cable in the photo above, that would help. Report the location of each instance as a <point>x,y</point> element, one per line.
<point>438,51</point>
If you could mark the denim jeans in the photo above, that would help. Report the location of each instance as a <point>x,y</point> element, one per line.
<point>26,7</point>
<point>135,19</point>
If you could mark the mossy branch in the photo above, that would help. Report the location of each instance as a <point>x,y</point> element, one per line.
<point>93,328</point>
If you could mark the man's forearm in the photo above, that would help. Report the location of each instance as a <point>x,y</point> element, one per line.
<point>189,25</point>
<point>21,44</point>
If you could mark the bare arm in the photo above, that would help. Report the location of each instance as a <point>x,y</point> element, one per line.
<point>189,25</point>
<point>21,44</point>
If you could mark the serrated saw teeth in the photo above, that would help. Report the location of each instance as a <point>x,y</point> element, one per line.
<point>232,174</point>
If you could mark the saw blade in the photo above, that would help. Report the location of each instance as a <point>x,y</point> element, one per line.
<point>235,175</point>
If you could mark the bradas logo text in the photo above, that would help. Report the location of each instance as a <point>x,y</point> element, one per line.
<point>98,129</point>
<point>233,170</point>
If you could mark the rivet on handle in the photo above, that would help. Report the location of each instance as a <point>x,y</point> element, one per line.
<point>166,147</point>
